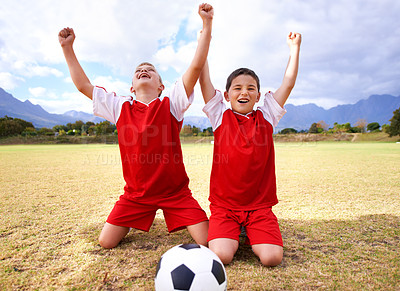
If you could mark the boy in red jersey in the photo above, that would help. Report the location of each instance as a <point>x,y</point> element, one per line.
<point>148,135</point>
<point>243,184</point>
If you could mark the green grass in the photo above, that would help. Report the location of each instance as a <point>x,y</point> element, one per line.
<point>339,214</point>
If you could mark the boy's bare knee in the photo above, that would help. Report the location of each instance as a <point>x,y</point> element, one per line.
<point>271,260</point>
<point>225,249</point>
<point>270,255</point>
<point>199,232</point>
<point>111,235</point>
<point>107,244</point>
<point>224,256</point>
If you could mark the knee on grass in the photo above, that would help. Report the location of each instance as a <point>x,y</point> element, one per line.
<point>225,256</point>
<point>270,258</point>
<point>107,244</point>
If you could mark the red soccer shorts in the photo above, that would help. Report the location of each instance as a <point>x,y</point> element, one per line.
<point>261,225</point>
<point>179,211</point>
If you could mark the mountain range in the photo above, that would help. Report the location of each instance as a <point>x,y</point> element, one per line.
<point>377,108</point>
<point>39,117</point>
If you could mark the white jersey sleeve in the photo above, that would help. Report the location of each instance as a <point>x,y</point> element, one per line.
<point>271,110</point>
<point>108,105</point>
<point>215,109</point>
<point>179,101</point>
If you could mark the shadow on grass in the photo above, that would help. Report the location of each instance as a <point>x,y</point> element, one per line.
<point>158,237</point>
<point>355,240</point>
<point>301,238</point>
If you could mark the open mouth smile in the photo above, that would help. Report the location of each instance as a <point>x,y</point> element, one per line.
<point>144,75</point>
<point>243,101</point>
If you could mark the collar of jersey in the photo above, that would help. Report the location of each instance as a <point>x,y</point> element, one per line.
<point>244,115</point>
<point>147,104</point>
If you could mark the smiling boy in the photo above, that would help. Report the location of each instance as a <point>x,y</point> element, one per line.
<point>243,183</point>
<point>148,136</point>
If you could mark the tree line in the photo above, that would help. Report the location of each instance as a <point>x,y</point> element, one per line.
<point>10,126</point>
<point>14,126</point>
<point>360,126</point>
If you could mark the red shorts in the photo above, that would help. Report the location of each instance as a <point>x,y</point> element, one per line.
<point>179,211</point>
<point>261,225</point>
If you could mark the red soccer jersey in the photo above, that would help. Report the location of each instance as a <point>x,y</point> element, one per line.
<point>243,170</point>
<point>148,136</point>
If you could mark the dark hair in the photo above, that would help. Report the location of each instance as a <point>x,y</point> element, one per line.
<point>242,71</point>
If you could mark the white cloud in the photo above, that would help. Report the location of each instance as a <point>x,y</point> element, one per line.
<point>38,91</point>
<point>43,93</point>
<point>113,85</point>
<point>9,81</point>
<point>68,101</point>
<point>349,49</point>
<point>179,60</point>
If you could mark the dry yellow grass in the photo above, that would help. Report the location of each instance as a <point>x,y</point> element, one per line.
<point>339,212</point>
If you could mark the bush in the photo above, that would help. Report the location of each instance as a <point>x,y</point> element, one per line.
<point>394,127</point>
<point>45,131</point>
<point>373,127</point>
<point>288,131</point>
<point>29,131</point>
<point>13,126</point>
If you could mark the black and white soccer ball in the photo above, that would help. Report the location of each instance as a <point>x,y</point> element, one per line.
<point>190,267</point>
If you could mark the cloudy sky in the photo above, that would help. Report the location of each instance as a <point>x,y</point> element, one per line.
<point>350,48</point>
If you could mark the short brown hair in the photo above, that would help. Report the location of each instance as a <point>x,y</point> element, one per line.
<point>242,71</point>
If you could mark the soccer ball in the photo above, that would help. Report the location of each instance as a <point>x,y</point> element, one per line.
<point>190,267</point>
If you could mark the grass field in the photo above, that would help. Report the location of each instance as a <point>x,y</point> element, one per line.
<point>339,213</point>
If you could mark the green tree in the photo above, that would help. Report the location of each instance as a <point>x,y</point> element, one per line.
<point>288,131</point>
<point>45,131</point>
<point>385,128</point>
<point>207,131</point>
<point>58,128</point>
<point>346,127</point>
<point>314,128</point>
<point>186,130</point>
<point>91,130</point>
<point>29,131</point>
<point>195,130</point>
<point>394,127</point>
<point>13,126</point>
<point>373,126</point>
<point>322,126</point>
<point>105,127</point>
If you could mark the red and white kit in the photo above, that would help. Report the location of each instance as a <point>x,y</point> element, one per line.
<point>151,156</point>
<point>243,171</point>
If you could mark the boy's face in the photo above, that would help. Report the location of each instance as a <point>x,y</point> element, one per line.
<point>243,94</point>
<point>146,75</point>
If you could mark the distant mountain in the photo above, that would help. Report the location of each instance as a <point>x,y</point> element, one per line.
<point>377,108</point>
<point>39,117</point>
<point>79,115</point>
<point>198,121</point>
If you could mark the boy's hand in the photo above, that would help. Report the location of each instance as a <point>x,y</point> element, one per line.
<point>66,37</point>
<point>293,39</point>
<point>206,11</point>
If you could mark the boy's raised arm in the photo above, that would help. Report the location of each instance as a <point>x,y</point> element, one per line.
<point>192,74</point>
<point>207,88</point>
<point>66,38</point>
<point>289,79</point>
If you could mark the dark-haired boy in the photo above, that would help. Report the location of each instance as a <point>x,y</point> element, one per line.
<point>243,183</point>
